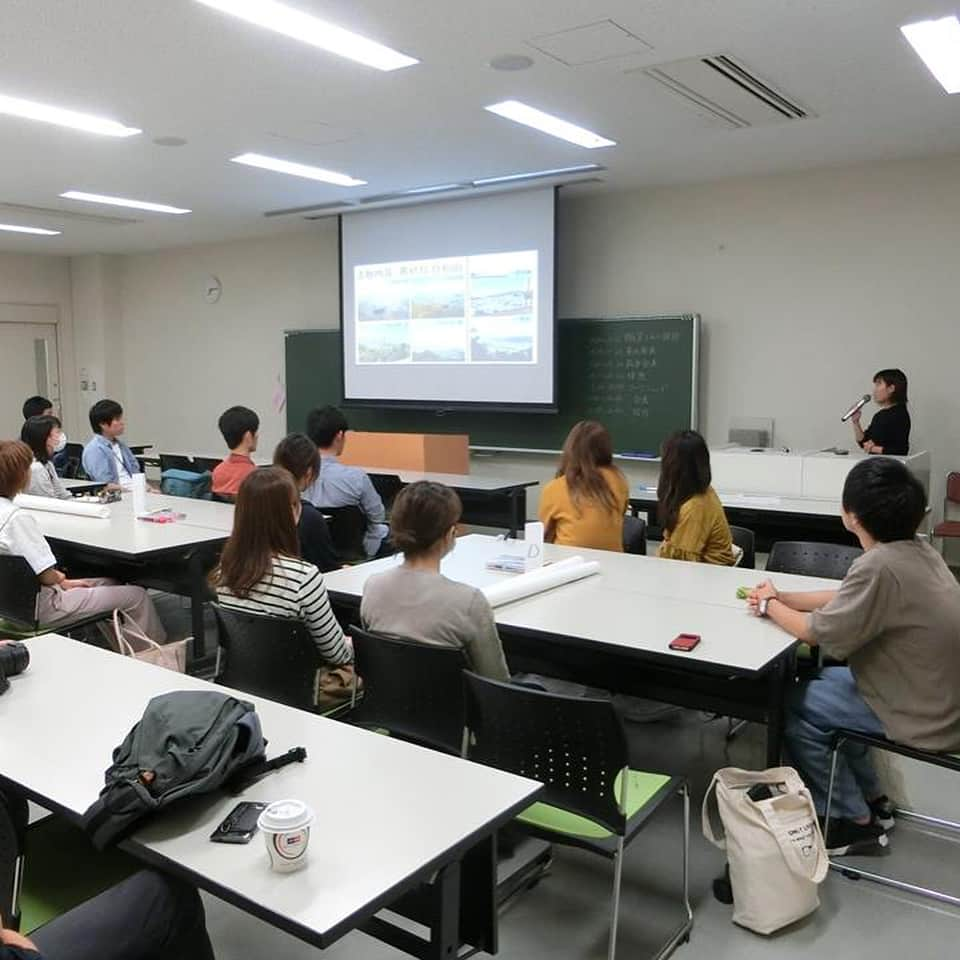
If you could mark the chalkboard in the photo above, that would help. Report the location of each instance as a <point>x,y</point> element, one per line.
<point>637,375</point>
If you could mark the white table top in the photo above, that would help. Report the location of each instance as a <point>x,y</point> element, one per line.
<point>386,809</point>
<point>123,533</point>
<point>765,502</point>
<point>638,603</point>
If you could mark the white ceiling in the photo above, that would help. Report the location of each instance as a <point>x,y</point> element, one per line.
<point>179,68</point>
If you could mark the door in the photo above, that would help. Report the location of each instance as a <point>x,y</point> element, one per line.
<point>30,365</point>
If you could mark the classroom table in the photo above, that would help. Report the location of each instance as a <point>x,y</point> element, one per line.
<point>770,516</point>
<point>148,552</point>
<point>398,826</point>
<point>612,630</point>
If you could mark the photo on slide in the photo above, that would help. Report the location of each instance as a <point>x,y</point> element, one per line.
<point>386,342</point>
<point>433,297</point>
<point>503,339</point>
<point>383,299</point>
<point>439,341</point>
<point>503,284</point>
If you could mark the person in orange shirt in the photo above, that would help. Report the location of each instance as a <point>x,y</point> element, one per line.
<point>239,426</point>
<point>585,504</point>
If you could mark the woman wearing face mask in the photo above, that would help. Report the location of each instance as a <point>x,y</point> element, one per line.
<point>415,600</point>
<point>44,436</point>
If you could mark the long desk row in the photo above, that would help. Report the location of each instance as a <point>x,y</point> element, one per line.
<point>613,630</point>
<point>398,824</point>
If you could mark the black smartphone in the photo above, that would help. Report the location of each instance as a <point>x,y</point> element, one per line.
<point>240,824</point>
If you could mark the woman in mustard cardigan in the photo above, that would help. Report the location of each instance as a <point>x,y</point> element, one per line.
<point>694,524</point>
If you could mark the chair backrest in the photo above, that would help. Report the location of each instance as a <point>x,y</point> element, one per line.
<point>635,535</point>
<point>575,746</point>
<point>387,485</point>
<point>953,487</point>
<point>206,464</point>
<point>18,592</point>
<point>412,689</point>
<point>830,560</point>
<point>173,461</point>
<point>347,527</point>
<point>74,454</point>
<point>267,657</point>
<point>747,542</point>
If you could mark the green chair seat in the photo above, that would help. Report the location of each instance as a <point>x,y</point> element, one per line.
<point>641,788</point>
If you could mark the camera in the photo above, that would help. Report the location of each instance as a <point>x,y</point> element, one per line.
<point>14,659</point>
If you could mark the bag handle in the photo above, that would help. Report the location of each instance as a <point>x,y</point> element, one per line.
<point>815,870</point>
<point>709,802</point>
<point>121,630</point>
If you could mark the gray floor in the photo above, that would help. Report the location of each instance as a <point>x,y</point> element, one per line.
<point>566,915</point>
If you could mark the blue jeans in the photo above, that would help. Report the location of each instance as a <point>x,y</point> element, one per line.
<point>814,711</point>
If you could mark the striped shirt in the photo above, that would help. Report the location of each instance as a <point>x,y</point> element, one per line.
<point>294,590</point>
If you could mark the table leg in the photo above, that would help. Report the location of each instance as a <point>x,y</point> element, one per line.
<point>198,596</point>
<point>518,510</point>
<point>777,683</point>
<point>445,928</point>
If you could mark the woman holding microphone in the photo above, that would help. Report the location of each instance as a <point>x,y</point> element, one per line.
<point>889,430</point>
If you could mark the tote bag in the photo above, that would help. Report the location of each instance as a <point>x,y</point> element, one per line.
<point>131,641</point>
<point>774,847</point>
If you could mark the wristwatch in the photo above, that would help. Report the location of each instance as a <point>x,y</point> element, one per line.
<point>762,606</point>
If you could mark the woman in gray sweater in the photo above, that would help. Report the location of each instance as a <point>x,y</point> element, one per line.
<point>415,600</point>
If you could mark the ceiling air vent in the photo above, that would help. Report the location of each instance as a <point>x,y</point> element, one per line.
<point>725,90</point>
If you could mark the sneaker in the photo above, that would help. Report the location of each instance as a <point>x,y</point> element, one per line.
<point>847,837</point>
<point>883,812</point>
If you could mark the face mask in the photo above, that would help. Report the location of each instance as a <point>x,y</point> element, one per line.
<point>61,443</point>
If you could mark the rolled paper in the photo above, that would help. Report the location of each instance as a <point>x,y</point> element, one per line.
<point>537,581</point>
<point>96,511</point>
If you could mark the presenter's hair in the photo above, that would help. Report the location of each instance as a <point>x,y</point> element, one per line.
<point>896,378</point>
<point>422,513</point>
<point>887,499</point>
<point>684,473</point>
<point>324,424</point>
<point>588,447</point>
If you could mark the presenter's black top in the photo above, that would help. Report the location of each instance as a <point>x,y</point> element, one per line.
<point>890,430</point>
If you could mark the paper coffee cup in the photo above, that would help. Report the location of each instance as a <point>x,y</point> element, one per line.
<point>285,825</point>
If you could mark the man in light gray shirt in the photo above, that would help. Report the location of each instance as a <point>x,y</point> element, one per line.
<point>338,485</point>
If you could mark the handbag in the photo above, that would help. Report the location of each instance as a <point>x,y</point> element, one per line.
<point>336,685</point>
<point>128,636</point>
<point>774,846</point>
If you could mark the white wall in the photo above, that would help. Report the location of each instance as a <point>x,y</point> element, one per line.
<point>188,360</point>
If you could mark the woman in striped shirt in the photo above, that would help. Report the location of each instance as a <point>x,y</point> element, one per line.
<point>261,570</point>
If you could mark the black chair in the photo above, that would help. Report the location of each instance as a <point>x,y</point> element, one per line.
<point>635,536</point>
<point>74,467</point>
<point>828,560</point>
<point>19,589</point>
<point>388,486</point>
<point>14,816</point>
<point>413,690</point>
<point>577,748</point>
<point>347,527</point>
<point>206,464</point>
<point>747,542</point>
<point>268,657</point>
<point>172,461</point>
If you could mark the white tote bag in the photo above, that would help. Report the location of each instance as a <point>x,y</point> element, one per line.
<point>775,848</point>
<point>131,641</point>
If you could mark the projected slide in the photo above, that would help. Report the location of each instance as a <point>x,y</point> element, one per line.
<point>471,310</point>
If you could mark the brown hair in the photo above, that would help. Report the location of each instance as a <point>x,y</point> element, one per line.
<point>15,460</point>
<point>296,453</point>
<point>588,447</point>
<point>422,513</point>
<point>684,473</point>
<point>263,528</point>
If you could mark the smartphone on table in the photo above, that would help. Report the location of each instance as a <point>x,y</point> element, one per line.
<point>240,824</point>
<point>685,642</point>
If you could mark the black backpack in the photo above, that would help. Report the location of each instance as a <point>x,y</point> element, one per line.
<point>186,743</point>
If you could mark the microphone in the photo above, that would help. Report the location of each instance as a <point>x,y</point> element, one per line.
<point>859,405</point>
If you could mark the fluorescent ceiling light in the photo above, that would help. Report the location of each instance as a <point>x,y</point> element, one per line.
<point>437,188</point>
<point>319,33</point>
<point>39,231</point>
<point>535,174</point>
<point>547,123</point>
<point>937,42</point>
<point>297,169</point>
<point>122,202</point>
<point>28,110</point>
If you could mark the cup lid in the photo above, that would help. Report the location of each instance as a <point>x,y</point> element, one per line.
<point>283,816</point>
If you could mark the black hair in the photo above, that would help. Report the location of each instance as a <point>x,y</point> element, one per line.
<point>35,407</point>
<point>324,424</point>
<point>104,411</point>
<point>684,473</point>
<point>896,378</point>
<point>888,500</point>
<point>296,453</point>
<point>34,434</point>
<point>234,424</point>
